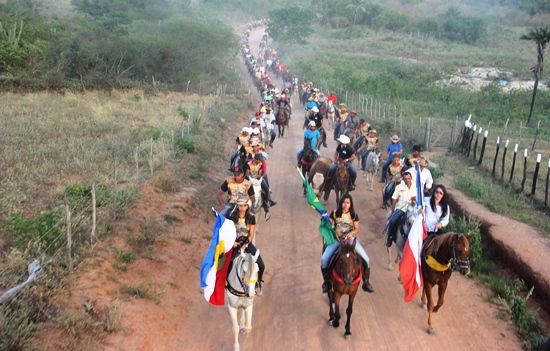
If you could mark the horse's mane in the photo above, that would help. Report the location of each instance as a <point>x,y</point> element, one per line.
<point>439,241</point>
<point>347,248</point>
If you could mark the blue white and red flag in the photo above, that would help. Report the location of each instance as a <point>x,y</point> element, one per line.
<point>216,262</point>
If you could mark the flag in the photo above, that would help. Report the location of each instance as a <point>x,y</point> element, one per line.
<point>410,267</point>
<point>325,227</point>
<point>216,262</point>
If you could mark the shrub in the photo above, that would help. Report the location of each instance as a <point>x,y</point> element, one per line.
<point>186,143</point>
<point>42,232</point>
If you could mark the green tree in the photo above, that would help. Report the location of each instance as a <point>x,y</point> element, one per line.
<point>541,37</point>
<point>356,5</point>
<point>291,25</point>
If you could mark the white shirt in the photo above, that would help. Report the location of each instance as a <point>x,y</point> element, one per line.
<point>403,195</point>
<point>426,179</point>
<point>431,218</point>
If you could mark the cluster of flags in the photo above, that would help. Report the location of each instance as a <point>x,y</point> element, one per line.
<point>410,267</point>
<point>216,262</point>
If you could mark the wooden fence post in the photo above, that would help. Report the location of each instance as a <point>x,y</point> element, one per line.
<point>536,135</point>
<point>513,163</point>
<point>69,238</point>
<point>427,133</point>
<point>94,216</point>
<point>524,170</point>
<point>536,175</point>
<point>504,159</point>
<point>475,144</point>
<point>453,131</point>
<point>496,157</point>
<point>483,147</point>
<point>471,131</point>
<point>546,188</point>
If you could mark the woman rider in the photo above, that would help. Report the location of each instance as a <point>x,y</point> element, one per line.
<point>245,224</point>
<point>395,169</point>
<point>346,222</point>
<point>436,211</point>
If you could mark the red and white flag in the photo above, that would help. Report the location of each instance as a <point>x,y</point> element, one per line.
<point>410,267</point>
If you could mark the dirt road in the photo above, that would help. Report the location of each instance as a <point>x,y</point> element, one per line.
<point>293,313</point>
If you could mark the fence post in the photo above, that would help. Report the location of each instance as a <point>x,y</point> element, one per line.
<point>504,159</point>
<point>69,238</point>
<point>94,216</point>
<point>483,147</point>
<point>453,131</point>
<point>537,167</point>
<point>524,170</point>
<point>475,144</point>
<point>496,157</point>
<point>513,163</point>
<point>536,135</point>
<point>546,188</point>
<point>427,134</point>
<point>471,131</point>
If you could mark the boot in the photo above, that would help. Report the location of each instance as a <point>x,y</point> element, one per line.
<point>272,203</point>
<point>326,280</point>
<point>366,275</point>
<point>351,187</point>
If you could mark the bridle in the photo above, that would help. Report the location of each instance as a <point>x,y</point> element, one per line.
<point>457,264</point>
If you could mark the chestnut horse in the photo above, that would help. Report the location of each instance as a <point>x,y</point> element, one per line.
<point>441,255</point>
<point>308,158</point>
<point>317,177</point>
<point>341,180</point>
<point>345,278</point>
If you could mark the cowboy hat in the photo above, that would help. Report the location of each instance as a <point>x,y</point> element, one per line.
<point>395,138</point>
<point>315,109</point>
<point>343,139</point>
<point>242,200</point>
<point>353,112</point>
<point>423,162</point>
<point>312,124</point>
<point>373,131</point>
<point>245,130</point>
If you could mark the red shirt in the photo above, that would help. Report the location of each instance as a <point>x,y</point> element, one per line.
<point>333,98</point>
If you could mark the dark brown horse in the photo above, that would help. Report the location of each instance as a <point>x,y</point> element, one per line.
<point>345,278</point>
<point>317,177</point>
<point>341,180</point>
<point>441,255</point>
<point>282,121</point>
<point>308,158</point>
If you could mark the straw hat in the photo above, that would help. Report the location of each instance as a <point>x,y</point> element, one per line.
<point>423,162</point>
<point>373,131</point>
<point>312,124</point>
<point>343,139</point>
<point>243,200</point>
<point>395,138</point>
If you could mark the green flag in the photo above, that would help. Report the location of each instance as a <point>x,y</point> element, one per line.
<point>325,227</point>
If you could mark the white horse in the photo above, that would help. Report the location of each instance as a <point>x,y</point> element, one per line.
<point>403,228</point>
<point>331,111</point>
<point>257,205</point>
<point>371,167</point>
<point>240,291</point>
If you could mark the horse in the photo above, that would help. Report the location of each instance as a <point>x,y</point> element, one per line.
<point>258,202</point>
<point>441,255</point>
<point>308,158</point>
<point>402,230</point>
<point>387,193</point>
<point>317,176</point>
<point>341,180</point>
<point>371,167</point>
<point>345,278</point>
<point>240,291</point>
<point>282,118</point>
<point>331,112</point>
<point>239,159</point>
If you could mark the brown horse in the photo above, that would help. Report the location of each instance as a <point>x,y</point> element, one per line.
<point>282,121</point>
<point>308,158</point>
<point>317,177</point>
<point>441,255</point>
<point>345,278</point>
<point>341,181</point>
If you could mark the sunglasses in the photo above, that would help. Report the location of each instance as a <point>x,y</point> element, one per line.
<point>440,192</point>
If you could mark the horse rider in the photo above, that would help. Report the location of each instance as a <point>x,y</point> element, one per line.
<point>341,115</point>
<point>393,148</point>
<point>243,140</point>
<point>245,223</point>
<point>234,187</point>
<point>426,179</point>
<point>370,143</point>
<point>351,125</point>
<point>344,152</point>
<point>283,104</point>
<point>313,134</point>
<point>310,103</point>
<point>260,122</point>
<point>269,120</point>
<point>255,131</point>
<point>346,223</point>
<point>395,170</point>
<point>317,117</point>
<point>436,210</point>
<point>333,98</point>
<point>402,197</point>
<point>413,158</point>
<point>256,168</point>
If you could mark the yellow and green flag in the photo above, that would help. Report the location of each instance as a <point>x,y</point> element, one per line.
<point>325,227</point>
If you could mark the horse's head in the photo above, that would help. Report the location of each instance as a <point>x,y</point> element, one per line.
<point>461,251</point>
<point>349,263</point>
<point>342,170</point>
<point>249,272</point>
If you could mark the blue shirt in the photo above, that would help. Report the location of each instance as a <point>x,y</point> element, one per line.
<point>393,148</point>
<point>313,135</point>
<point>310,105</point>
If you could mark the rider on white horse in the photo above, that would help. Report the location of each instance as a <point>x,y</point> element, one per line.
<point>403,195</point>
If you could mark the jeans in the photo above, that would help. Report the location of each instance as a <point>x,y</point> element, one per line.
<point>301,151</point>
<point>331,249</point>
<point>391,234</point>
<point>228,209</point>
<point>385,169</point>
<point>337,130</point>
<point>351,168</point>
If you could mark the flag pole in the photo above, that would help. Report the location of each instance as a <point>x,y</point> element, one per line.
<point>300,173</point>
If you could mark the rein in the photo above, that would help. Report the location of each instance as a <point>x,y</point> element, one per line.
<point>452,263</point>
<point>242,281</point>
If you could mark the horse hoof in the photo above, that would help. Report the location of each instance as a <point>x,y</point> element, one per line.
<point>431,331</point>
<point>423,306</point>
<point>335,324</point>
<point>347,336</point>
<point>399,278</point>
<point>390,268</point>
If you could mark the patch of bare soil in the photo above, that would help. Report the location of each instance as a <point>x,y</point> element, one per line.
<point>293,313</point>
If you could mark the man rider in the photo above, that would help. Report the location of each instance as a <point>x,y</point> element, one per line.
<point>403,195</point>
<point>284,103</point>
<point>313,134</point>
<point>234,187</point>
<point>317,117</point>
<point>345,153</point>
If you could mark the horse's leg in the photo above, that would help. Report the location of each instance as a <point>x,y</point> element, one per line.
<point>349,311</point>
<point>423,299</point>
<point>428,289</point>
<point>441,295</point>
<point>336,321</point>
<point>235,323</point>
<point>330,302</point>
<point>248,314</point>
<point>389,258</point>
